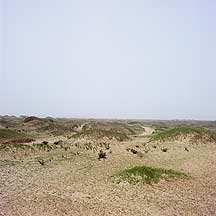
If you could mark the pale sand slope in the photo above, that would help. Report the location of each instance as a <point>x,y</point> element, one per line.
<point>81,184</point>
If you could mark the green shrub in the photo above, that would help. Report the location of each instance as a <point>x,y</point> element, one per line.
<point>164,149</point>
<point>101,154</point>
<point>41,162</point>
<point>134,151</point>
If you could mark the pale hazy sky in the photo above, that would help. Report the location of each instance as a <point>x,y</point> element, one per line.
<point>108,58</point>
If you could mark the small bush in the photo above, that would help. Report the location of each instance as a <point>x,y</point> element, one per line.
<point>186,149</point>
<point>164,149</point>
<point>134,151</point>
<point>42,162</point>
<point>58,142</point>
<point>101,154</point>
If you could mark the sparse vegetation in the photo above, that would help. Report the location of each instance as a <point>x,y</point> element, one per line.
<point>164,149</point>
<point>148,175</point>
<point>41,162</point>
<point>186,149</point>
<point>133,151</point>
<point>101,154</point>
<point>58,133</point>
<point>80,167</point>
<point>43,146</point>
<point>59,142</point>
<point>128,149</point>
<point>17,146</point>
<point>11,134</point>
<point>197,133</point>
<point>101,134</point>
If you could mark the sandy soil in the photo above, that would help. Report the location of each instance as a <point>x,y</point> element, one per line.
<point>80,184</point>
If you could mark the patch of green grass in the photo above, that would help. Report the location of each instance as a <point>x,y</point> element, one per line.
<point>148,175</point>
<point>100,134</point>
<point>11,134</point>
<point>175,132</point>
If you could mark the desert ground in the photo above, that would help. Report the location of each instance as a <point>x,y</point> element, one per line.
<point>55,166</point>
